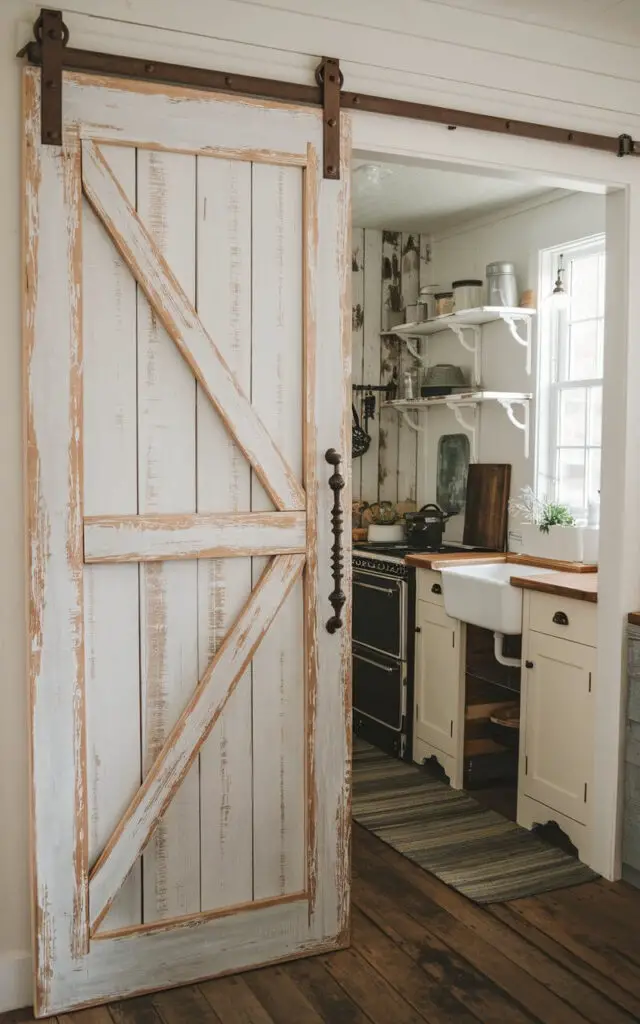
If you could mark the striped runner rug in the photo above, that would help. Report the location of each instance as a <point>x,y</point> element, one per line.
<point>445,831</point>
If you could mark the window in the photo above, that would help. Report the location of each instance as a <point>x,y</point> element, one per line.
<point>571,357</point>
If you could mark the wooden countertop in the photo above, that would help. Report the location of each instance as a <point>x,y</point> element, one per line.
<point>579,586</point>
<point>634,618</point>
<point>444,559</point>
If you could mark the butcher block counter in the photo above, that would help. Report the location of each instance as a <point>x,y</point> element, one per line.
<point>580,586</point>
<point>565,579</point>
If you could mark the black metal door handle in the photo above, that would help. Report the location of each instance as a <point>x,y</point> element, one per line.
<point>436,589</point>
<point>561,619</point>
<point>528,664</point>
<point>337,597</point>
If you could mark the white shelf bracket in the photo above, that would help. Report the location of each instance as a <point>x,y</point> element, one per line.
<point>526,341</point>
<point>411,348</point>
<point>415,426</point>
<point>475,348</point>
<point>471,427</point>
<point>522,424</point>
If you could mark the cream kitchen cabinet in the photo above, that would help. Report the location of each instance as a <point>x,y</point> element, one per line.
<point>556,716</point>
<point>438,729</point>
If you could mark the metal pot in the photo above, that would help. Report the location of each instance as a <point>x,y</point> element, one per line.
<point>426,527</point>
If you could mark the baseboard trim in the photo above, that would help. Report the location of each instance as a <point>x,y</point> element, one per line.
<point>15,980</point>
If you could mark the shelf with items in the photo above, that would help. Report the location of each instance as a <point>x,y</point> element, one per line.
<point>469,400</point>
<point>467,326</point>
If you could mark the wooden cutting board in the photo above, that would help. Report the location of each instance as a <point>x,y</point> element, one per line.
<point>486,512</point>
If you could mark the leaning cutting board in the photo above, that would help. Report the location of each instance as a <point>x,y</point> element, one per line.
<point>486,512</point>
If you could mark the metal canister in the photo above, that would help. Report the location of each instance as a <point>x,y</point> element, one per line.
<point>502,287</point>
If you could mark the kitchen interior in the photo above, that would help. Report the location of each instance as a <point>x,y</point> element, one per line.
<point>478,309</point>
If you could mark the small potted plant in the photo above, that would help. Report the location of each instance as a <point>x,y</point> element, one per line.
<point>548,528</point>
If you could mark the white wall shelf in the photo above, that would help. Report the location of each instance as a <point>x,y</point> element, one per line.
<point>467,325</point>
<point>460,403</point>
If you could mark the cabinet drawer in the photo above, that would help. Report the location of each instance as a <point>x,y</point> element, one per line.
<point>565,618</point>
<point>633,668</point>
<point>429,586</point>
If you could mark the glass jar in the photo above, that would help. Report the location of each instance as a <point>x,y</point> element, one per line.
<point>444,303</point>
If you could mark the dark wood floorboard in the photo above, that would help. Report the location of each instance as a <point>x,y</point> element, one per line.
<point>423,954</point>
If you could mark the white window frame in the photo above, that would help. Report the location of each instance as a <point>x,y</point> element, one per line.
<point>552,353</point>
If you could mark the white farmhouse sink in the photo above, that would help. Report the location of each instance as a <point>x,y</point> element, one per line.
<point>483,596</point>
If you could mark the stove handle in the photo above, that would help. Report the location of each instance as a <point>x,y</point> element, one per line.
<point>376,664</point>
<point>337,596</point>
<point>371,586</point>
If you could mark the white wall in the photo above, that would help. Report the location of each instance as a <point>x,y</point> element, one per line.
<point>518,236</point>
<point>414,49</point>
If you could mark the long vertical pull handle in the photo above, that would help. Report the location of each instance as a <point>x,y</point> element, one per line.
<point>337,597</point>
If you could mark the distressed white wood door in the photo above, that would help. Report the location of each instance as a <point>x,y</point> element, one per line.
<point>187,365</point>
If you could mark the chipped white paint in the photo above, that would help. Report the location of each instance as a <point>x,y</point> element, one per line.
<point>156,538</point>
<point>110,486</point>
<point>278,668</point>
<point>173,307</point>
<point>166,198</point>
<point>224,483</point>
<point>175,757</point>
<point>243,931</point>
<point>371,356</point>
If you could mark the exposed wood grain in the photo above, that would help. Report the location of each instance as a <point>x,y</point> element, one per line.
<point>486,513</point>
<point>241,154</point>
<point>111,486</point>
<point>176,312</point>
<point>183,742</point>
<point>324,994</point>
<point>281,997</point>
<point>224,483</point>
<point>310,462</point>
<point>135,1011</point>
<point>185,1006</point>
<point>277,396</point>
<point>580,586</point>
<point>167,484</point>
<point>234,1002</point>
<point>161,537</point>
<point>53,438</point>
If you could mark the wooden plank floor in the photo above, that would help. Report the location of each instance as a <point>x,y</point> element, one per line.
<point>421,952</point>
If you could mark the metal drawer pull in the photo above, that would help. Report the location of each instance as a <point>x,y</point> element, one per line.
<point>436,589</point>
<point>371,586</point>
<point>337,597</point>
<point>384,668</point>
<point>560,619</point>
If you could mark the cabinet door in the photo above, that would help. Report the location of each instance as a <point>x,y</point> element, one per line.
<point>559,724</point>
<point>437,677</point>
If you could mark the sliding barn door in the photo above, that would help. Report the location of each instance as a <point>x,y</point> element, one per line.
<point>187,338</point>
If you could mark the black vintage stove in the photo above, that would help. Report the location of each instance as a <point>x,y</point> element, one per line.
<point>383,643</point>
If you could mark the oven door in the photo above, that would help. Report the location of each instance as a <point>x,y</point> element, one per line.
<point>379,613</point>
<point>378,688</point>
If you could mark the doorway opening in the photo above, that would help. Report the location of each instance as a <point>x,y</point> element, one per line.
<point>431,228</point>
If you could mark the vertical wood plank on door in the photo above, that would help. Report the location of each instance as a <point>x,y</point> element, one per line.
<point>407,438</point>
<point>278,667</point>
<point>224,484</point>
<point>167,483</point>
<point>389,366</point>
<point>111,487</point>
<point>357,335</point>
<point>371,355</point>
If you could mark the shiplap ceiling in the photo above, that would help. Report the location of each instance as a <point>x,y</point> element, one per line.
<point>411,198</point>
<point>615,20</point>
